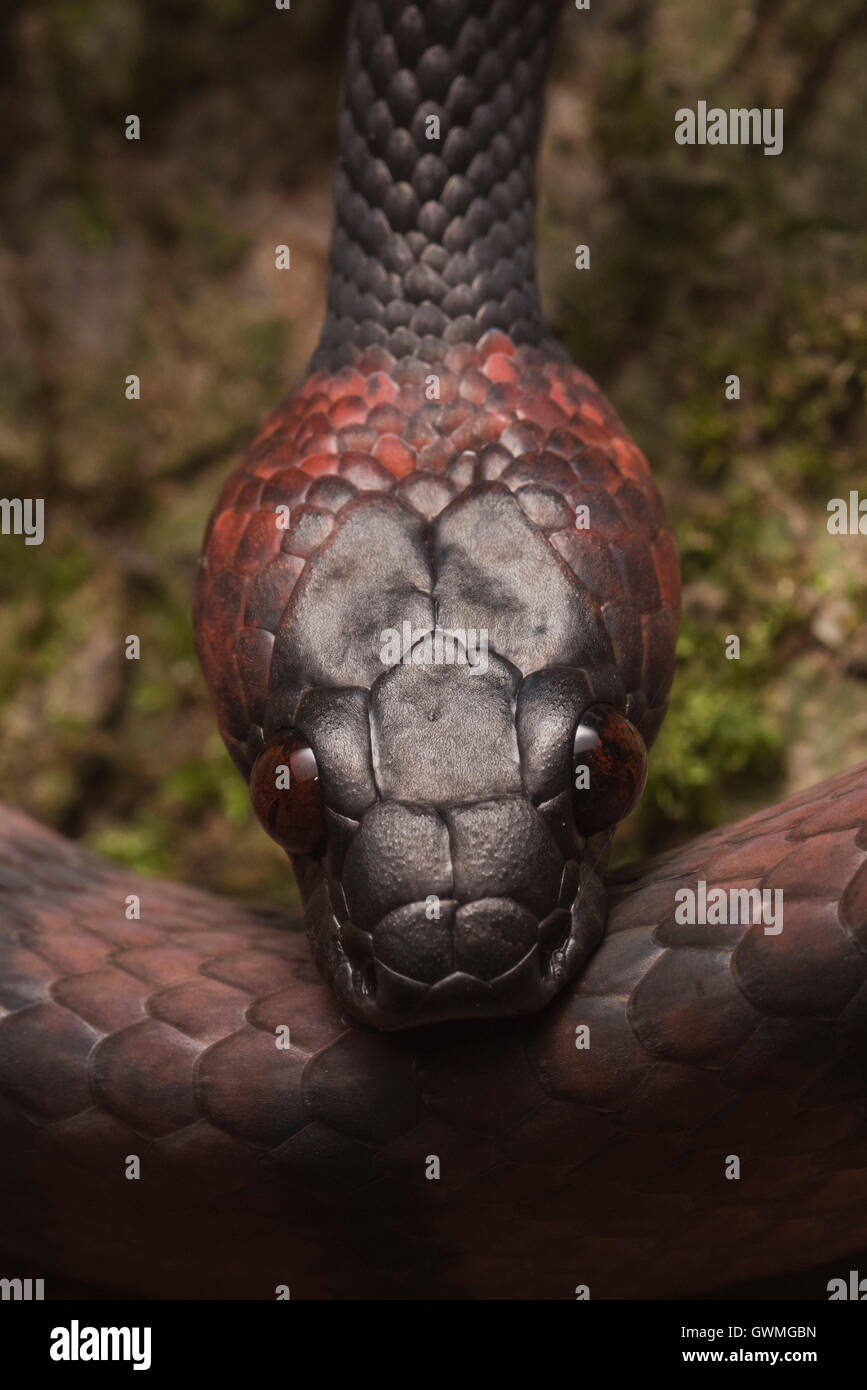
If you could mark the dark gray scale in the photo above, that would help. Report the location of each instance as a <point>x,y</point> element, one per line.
<point>372,575</point>
<point>438,670</point>
<point>496,571</point>
<point>445,734</point>
<point>433,232</point>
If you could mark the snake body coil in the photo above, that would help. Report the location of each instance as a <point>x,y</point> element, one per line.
<point>437,611</point>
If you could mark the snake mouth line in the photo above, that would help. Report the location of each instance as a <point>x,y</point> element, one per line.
<point>374,992</point>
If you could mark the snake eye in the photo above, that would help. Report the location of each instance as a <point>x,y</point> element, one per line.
<point>609,768</point>
<point>287,795</point>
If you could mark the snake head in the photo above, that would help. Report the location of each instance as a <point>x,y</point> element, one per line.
<point>452,892</point>
<point>440,688</point>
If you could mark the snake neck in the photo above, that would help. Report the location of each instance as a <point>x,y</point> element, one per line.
<point>433,240</point>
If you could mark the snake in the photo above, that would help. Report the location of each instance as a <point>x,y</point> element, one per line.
<point>436,610</point>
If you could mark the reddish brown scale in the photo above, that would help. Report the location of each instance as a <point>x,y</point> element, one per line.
<point>156,1036</point>
<point>534,423</point>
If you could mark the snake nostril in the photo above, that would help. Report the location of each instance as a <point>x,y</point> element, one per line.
<point>553,935</point>
<point>555,929</point>
<point>552,966</point>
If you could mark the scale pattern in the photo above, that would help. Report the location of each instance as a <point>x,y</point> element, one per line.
<point>506,415</point>
<point>559,1166</point>
<point>444,466</point>
<point>434,194</point>
<point>493,492</point>
<point>156,1037</point>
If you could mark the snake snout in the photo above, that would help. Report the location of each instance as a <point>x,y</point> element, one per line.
<point>462,911</point>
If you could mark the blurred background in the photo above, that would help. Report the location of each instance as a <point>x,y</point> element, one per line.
<point>156,257</point>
